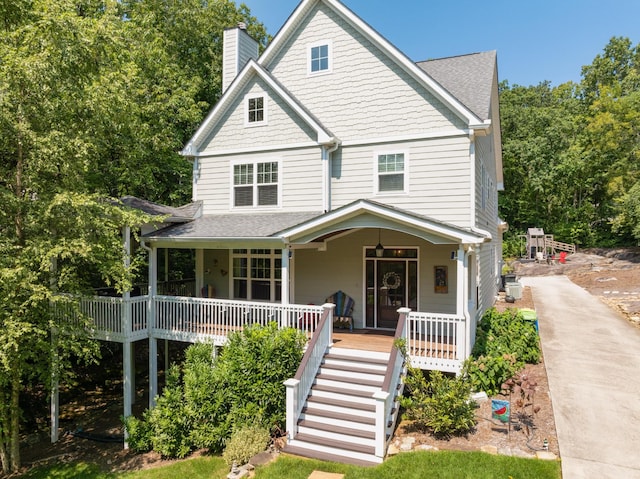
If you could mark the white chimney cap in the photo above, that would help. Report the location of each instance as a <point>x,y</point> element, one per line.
<point>242,25</point>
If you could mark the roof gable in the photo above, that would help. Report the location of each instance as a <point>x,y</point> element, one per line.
<point>305,8</point>
<point>251,70</point>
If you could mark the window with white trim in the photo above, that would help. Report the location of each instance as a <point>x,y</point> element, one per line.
<point>391,172</point>
<point>319,58</point>
<point>255,184</point>
<point>257,274</point>
<point>255,109</point>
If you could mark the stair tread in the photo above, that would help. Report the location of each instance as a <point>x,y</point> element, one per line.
<point>352,369</point>
<point>342,390</point>
<point>357,359</point>
<point>325,456</point>
<point>338,415</point>
<point>347,431</point>
<point>342,403</point>
<point>342,445</point>
<point>350,380</point>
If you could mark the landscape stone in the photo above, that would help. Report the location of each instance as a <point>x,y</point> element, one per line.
<point>546,456</point>
<point>489,449</point>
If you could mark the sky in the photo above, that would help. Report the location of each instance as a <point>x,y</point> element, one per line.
<point>543,40</point>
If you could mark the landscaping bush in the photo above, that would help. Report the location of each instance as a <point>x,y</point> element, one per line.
<point>440,404</point>
<point>246,442</point>
<point>505,342</point>
<point>207,399</point>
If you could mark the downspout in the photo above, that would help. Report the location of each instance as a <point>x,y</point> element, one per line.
<point>472,176</point>
<point>195,175</point>
<point>326,172</point>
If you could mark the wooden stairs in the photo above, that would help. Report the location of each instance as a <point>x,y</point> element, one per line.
<point>338,420</point>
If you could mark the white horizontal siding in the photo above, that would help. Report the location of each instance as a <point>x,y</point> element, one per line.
<point>438,173</point>
<point>300,172</point>
<point>283,125</point>
<point>366,95</point>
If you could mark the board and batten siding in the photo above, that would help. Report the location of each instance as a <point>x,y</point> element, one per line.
<point>283,125</point>
<point>438,173</point>
<point>366,95</point>
<point>301,180</point>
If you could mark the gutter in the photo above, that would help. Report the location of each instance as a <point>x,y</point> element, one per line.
<point>327,149</point>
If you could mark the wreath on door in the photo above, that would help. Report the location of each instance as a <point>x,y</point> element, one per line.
<point>391,280</point>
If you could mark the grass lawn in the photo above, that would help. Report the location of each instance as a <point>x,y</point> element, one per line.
<point>422,465</point>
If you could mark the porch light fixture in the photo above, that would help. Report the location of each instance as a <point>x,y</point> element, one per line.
<point>379,247</point>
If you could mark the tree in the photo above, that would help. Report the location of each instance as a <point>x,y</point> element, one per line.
<point>97,97</point>
<point>52,227</point>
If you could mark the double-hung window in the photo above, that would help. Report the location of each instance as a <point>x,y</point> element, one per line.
<point>255,184</point>
<point>320,58</point>
<point>391,172</point>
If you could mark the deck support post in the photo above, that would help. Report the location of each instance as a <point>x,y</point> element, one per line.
<point>55,387</point>
<point>151,322</point>
<point>126,362</point>
<point>153,371</point>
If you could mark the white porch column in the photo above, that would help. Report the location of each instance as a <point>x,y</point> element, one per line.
<point>199,271</point>
<point>151,324</point>
<point>286,280</point>
<point>461,279</point>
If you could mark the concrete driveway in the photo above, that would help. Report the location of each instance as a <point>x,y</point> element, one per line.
<point>592,357</point>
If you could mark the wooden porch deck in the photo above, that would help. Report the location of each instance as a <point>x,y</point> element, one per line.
<point>365,340</point>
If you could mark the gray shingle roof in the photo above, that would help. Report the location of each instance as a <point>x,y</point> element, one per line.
<point>467,77</point>
<point>181,213</point>
<point>262,225</point>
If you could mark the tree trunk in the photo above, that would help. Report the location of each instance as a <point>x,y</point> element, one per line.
<point>14,446</point>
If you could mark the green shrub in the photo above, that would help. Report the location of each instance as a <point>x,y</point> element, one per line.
<point>246,442</point>
<point>139,432</point>
<point>505,342</point>
<point>207,399</point>
<point>440,404</point>
<point>487,373</point>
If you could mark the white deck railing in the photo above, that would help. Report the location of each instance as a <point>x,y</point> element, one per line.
<point>436,341</point>
<point>299,386</point>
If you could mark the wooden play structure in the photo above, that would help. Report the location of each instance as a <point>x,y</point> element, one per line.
<point>540,246</point>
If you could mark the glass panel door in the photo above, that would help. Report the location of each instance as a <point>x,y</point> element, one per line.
<point>392,291</point>
<point>390,283</point>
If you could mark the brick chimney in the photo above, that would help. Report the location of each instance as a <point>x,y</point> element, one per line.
<point>238,49</point>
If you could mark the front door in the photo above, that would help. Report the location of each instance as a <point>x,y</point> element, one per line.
<point>392,283</point>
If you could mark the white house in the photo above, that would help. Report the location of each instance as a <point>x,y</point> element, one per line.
<point>333,162</point>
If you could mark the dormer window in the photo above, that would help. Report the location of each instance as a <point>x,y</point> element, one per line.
<point>320,58</point>
<point>255,109</point>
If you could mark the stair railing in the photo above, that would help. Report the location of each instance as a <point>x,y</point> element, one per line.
<point>389,395</point>
<point>298,387</point>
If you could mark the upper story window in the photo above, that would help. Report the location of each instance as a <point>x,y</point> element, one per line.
<point>255,184</point>
<point>320,58</point>
<point>391,172</point>
<point>255,110</point>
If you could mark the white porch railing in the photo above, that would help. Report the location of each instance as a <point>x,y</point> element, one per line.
<point>387,399</point>
<point>436,341</point>
<point>197,319</point>
<point>299,386</point>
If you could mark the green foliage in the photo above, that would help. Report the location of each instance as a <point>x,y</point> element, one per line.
<point>139,431</point>
<point>440,404</point>
<point>571,152</point>
<point>208,399</point>
<point>504,343</point>
<point>246,442</point>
